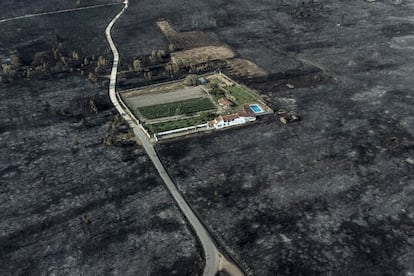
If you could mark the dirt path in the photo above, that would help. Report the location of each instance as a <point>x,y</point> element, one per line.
<point>184,94</point>
<point>215,261</point>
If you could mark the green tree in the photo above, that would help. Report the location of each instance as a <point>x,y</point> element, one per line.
<point>206,116</point>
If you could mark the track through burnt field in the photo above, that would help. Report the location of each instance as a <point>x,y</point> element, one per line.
<point>332,193</point>
<point>78,195</point>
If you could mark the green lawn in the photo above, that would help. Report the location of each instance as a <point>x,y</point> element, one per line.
<point>165,126</point>
<point>187,107</point>
<point>241,95</point>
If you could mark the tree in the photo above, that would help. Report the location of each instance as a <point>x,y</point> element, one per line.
<point>172,68</point>
<point>6,68</point>
<point>148,75</point>
<point>55,54</point>
<point>75,56</point>
<point>92,77</point>
<point>191,80</point>
<point>29,72</point>
<point>206,116</point>
<point>101,61</point>
<point>161,54</point>
<point>15,61</point>
<point>153,57</point>
<point>86,61</point>
<point>154,54</point>
<point>63,60</point>
<point>171,48</point>
<point>215,89</point>
<point>137,65</point>
<point>92,106</point>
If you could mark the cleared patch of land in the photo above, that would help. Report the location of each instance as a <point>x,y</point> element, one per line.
<point>245,68</point>
<point>149,99</point>
<point>202,55</point>
<point>241,95</point>
<point>187,40</point>
<point>176,108</point>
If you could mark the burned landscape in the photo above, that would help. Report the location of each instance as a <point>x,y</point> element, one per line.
<point>78,195</point>
<point>331,193</point>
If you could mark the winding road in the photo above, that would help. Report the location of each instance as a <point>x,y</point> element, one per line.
<point>215,261</point>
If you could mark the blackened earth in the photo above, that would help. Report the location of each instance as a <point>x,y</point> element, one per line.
<point>71,202</point>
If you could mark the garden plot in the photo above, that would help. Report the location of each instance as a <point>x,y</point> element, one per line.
<point>148,99</point>
<point>164,108</point>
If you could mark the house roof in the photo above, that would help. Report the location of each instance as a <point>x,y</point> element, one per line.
<point>224,102</point>
<point>229,118</point>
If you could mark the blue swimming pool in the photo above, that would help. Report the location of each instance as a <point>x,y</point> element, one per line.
<point>256,108</point>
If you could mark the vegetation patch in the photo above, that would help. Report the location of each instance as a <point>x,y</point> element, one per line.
<point>187,107</point>
<point>165,126</point>
<point>240,95</point>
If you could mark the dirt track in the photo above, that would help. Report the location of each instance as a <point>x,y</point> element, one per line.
<point>162,98</point>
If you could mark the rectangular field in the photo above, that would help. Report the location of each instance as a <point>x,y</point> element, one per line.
<point>150,99</point>
<point>241,95</point>
<point>165,126</point>
<point>187,107</point>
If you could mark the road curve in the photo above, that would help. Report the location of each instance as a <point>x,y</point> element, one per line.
<point>215,261</point>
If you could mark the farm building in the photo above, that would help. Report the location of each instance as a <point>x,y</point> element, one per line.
<point>231,120</point>
<point>225,103</point>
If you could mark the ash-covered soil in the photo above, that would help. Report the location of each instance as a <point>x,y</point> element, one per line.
<point>12,8</point>
<point>332,193</point>
<point>78,195</point>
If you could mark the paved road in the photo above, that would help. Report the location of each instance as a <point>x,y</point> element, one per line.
<point>215,261</point>
<point>55,12</point>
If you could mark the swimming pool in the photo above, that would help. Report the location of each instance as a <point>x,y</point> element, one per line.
<point>256,108</point>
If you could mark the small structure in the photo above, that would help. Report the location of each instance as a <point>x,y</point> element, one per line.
<point>225,103</point>
<point>202,81</point>
<point>231,120</point>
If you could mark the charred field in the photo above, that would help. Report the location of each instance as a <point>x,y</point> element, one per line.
<point>332,193</point>
<point>329,194</point>
<point>78,195</point>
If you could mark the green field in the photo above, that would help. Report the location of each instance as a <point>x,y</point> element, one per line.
<point>241,95</point>
<point>165,126</point>
<point>187,107</point>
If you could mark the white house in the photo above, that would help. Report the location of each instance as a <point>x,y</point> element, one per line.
<point>231,120</point>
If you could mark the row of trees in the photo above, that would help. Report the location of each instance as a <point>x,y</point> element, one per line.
<point>55,60</point>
